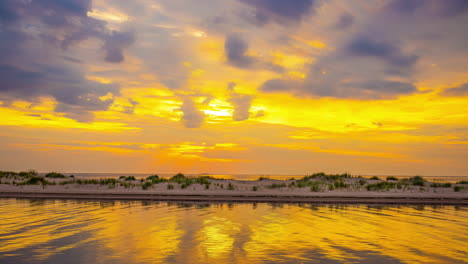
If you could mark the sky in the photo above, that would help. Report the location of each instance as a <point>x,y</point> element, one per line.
<point>235,86</point>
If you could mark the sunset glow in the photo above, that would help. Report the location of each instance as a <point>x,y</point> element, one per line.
<point>234,86</point>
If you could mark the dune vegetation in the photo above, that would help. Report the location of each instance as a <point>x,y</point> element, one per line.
<point>317,182</point>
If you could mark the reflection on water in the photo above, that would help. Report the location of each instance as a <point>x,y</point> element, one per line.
<point>70,231</point>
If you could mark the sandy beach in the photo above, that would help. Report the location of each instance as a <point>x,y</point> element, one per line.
<point>318,188</point>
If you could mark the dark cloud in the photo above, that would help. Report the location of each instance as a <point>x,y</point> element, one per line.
<point>336,87</point>
<point>344,21</point>
<point>72,92</point>
<point>461,90</point>
<point>279,85</point>
<point>364,68</point>
<point>36,40</point>
<point>19,82</point>
<point>75,7</point>
<point>405,6</point>
<point>192,117</point>
<point>280,11</point>
<point>7,11</point>
<point>377,88</point>
<point>236,48</point>
<point>115,43</point>
<point>370,47</point>
<point>70,59</point>
<point>130,109</point>
<point>240,102</point>
<point>62,23</point>
<point>428,7</point>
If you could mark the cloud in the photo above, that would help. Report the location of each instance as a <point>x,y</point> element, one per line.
<point>37,38</point>
<point>73,93</point>
<point>280,11</point>
<point>280,85</point>
<point>362,68</point>
<point>374,60</point>
<point>115,43</point>
<point>428,7</point>
<point>366,89</point>
<point>236,47</point>
<point>240,102</point>
<point>374,89</point>
<point>62,23</point>
<point>366,46</point>
<point>345,21</point>
<point>461,90</point>
<point>192,117</point>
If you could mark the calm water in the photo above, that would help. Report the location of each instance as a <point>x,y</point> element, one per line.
<point>72,231</point>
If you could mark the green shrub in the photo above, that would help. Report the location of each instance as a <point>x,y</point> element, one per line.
<point>170,186</point>
<point>152,177</point>
<point>107,181</point>
<point>417,181</point>
<point>178,176</point>
<point>444,185</point>
<point>203,180</point>
<point>30,173</point>
<point>391,178</point>
<point>315,187</point>
<point>55,175</point>
<point>254,188</point>
<point>230,187</point>
<point>276,185</point>
<point>146,185</point>
<point>262,178</point>
<point>362,182</point>
<point>327,177</point>
<point>458,188</point>
<point>126,185</point>
<point>462,182</point>
<point>382,186</point>
<point>7,174</point>
<point>340,184</point>
<point>331,187</point>
<point>374,178</point>
<point>130,178</point>
<point>34,180</point>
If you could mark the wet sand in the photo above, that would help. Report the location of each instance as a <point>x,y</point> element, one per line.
<point>337,197</point>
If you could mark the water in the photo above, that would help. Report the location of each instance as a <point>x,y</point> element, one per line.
<point>250,177</point>
<point>73,231</point>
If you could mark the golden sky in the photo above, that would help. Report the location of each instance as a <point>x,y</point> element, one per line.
<point>234,86</point>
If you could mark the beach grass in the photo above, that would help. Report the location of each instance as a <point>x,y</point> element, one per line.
<point>316,182</point>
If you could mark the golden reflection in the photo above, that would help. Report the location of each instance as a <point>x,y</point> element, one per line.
<point>147,232</point>
<point>216,238</point>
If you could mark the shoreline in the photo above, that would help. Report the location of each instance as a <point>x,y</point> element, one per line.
<point>316,188</point>
<point>239,198</point>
